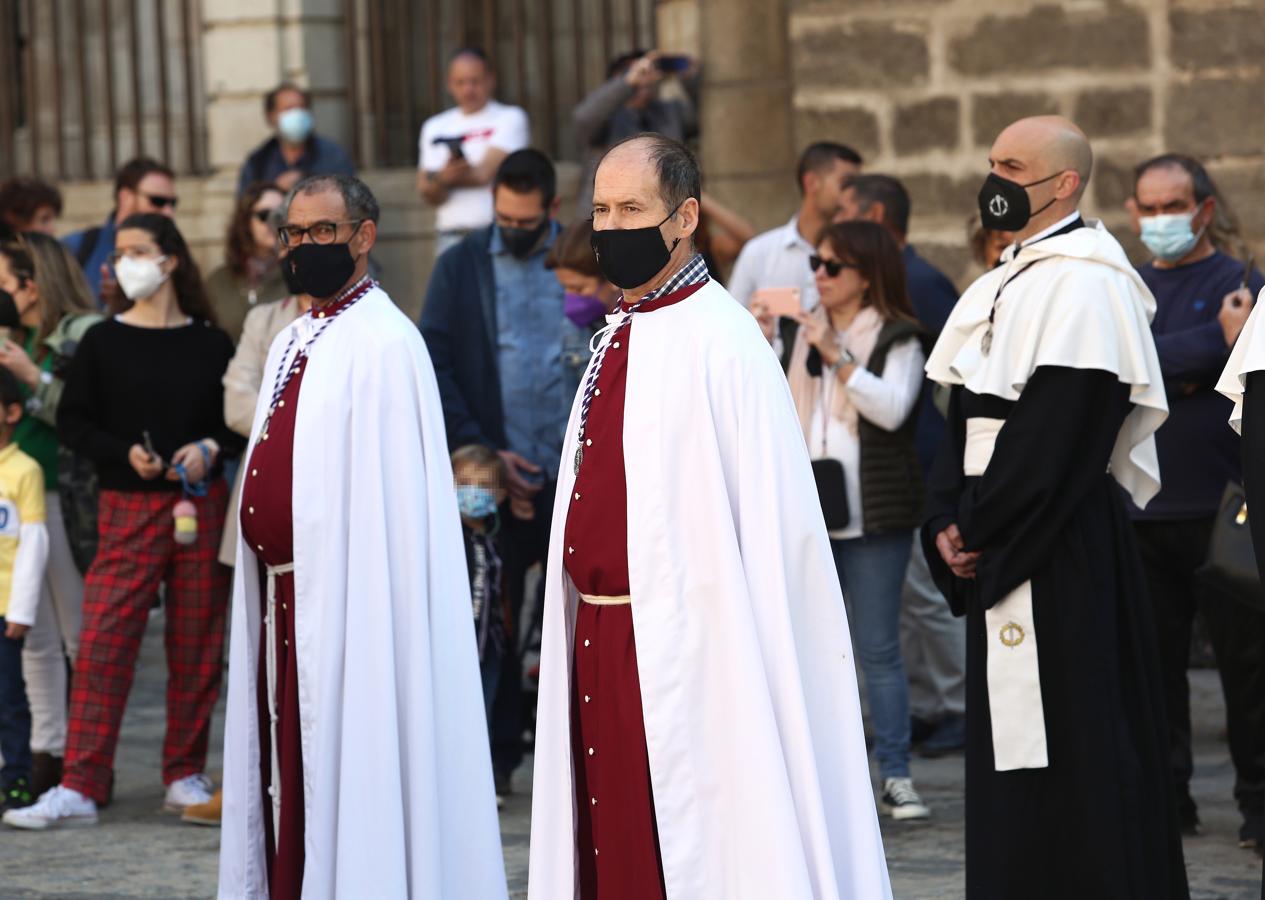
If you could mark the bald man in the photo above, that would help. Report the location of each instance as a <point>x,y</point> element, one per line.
<point>1056,394</point>
<point>699,732</point>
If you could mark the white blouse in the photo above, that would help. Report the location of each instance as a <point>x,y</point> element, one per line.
<point>885,401</point>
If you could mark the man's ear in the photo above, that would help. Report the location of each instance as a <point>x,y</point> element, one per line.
<point>689,213</point>
<point>367,236</point>
<point>554,207</point>
<point>13,414</point>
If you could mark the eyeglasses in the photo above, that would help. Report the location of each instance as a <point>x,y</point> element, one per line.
<point>162,202</point>
<point>262,215</point>
<point>134,253</point>
<point>321,232</point>
<point>833,266</point>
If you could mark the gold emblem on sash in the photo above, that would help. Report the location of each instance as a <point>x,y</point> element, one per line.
<point>1012,634</point>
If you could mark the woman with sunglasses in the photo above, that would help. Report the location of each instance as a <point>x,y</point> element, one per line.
<point>54,308</point>
<point>144,401</point>
<point>855,372</point>
<point>250,274</point>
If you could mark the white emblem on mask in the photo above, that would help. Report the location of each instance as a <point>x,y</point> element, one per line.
<point>998,206</point>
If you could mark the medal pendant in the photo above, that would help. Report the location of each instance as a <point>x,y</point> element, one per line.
<point>579,458</point>
<point>986,343</point>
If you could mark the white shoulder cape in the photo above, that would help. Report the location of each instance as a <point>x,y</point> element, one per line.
<point>397,777</point>
<point>1247,357</point>
<point>753,726</point>
<point>1082,306</point>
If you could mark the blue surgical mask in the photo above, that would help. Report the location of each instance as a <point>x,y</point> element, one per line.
<point>475,502</point>
<point>295,125</point>
<point>1170,237</point>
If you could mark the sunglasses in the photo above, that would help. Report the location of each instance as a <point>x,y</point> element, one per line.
<point>833,266</point>
<point>162,202</point>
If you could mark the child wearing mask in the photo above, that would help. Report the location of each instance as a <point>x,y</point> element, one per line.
<point>479,475</point>
<point>23,555</point>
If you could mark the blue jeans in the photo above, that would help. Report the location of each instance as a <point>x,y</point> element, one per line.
<point>15,714</point>
<point>871,572</point>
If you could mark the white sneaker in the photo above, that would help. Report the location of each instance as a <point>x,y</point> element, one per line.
<point>192,790</point>
<point>56,807</point>
<point>901,801</point>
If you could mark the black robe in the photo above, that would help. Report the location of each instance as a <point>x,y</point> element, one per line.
<point>1098,822</point>
<point>1254,474</point>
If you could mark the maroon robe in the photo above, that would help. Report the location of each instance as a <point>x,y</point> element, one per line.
<point>267,520</point>
<point>617,837</point>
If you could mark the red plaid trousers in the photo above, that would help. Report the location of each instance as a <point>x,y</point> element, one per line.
<point>136,553</point>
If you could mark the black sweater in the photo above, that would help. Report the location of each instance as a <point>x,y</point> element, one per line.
<point>125,380</point>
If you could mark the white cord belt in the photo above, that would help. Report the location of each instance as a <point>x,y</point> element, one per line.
<point>270,657</point>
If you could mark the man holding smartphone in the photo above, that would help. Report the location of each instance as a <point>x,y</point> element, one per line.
<point>461,148</point>
<point>628,103</point>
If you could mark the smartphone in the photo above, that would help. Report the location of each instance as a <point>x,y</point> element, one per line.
<point>453,144</point>
<point>672,63</point>
<point>779,301</point>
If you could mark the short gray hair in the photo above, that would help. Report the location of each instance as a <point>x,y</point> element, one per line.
<point>675,167</point>
<point>357,198</point>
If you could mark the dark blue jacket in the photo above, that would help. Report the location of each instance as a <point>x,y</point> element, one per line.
<point>933,297</point>
<point>459,326</point>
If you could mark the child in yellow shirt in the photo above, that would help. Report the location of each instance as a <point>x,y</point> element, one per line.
<point>23,556</point>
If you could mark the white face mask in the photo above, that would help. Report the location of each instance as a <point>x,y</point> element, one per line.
<point>140,278</point>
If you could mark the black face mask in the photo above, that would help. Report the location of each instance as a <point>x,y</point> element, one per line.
<point>520,241</point>
<point>8,311</point>
<point>630,257</point>
<point>319,270</point>
<point>288,276</point>
<point>1004,205</point>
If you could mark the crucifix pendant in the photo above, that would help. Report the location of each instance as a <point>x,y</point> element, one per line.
<point>986,343</point>
<point>579,458</point>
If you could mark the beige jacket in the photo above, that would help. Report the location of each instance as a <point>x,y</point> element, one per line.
<point>242,382</point>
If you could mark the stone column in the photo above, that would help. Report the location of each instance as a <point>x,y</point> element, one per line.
<point>745,143</point>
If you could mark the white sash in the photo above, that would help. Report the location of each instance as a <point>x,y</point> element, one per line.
<point>1014,679</point>
<point>274,702</point>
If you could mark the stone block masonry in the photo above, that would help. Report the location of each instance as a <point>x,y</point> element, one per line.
<point>922,87</point>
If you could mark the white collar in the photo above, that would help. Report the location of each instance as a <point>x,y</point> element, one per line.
<point>792,237</point>
<point>1061,223</point>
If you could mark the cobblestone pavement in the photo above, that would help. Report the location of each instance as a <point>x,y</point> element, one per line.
<point>138,851</point>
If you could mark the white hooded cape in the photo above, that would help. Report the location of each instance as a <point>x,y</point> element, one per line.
<point>1248,357</point>
<point>753,726</point>
<point>1081,306</point>
<point>398,795</point>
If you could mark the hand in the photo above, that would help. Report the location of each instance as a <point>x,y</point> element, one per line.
<point>15,359</point>
<point>820,335</point>
<point>456,170</point>
<point>521,509</point>
<point>146,466</point>
<point>15,632</point>
<point>519,487</point>
<point>644,73</point>
<point>768,321</point>
<point>112,297</point>
<point>1236,306</point>
<point>195,464</point>
<point>949,543</point>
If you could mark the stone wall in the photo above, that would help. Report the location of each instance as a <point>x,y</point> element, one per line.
<point>921,88</point>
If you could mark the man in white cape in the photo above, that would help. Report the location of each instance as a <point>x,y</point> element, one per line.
<point>720,753</point>
<point>356,758</point>
<point>1243,381</point>
<point>1056,396</point>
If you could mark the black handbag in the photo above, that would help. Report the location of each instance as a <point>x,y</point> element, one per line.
<point>832,491</point>
<point>1231,568</point>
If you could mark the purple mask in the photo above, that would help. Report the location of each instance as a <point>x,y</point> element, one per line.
<point>583,309</point>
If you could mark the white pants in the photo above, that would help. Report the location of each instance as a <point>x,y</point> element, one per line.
<point>54,638</point>
<point>934,643</point>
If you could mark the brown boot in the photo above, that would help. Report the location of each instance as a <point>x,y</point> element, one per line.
<point>205,813</point>
<point>46,771</point>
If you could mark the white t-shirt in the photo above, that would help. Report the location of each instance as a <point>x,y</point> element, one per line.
<point>496,125</point>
